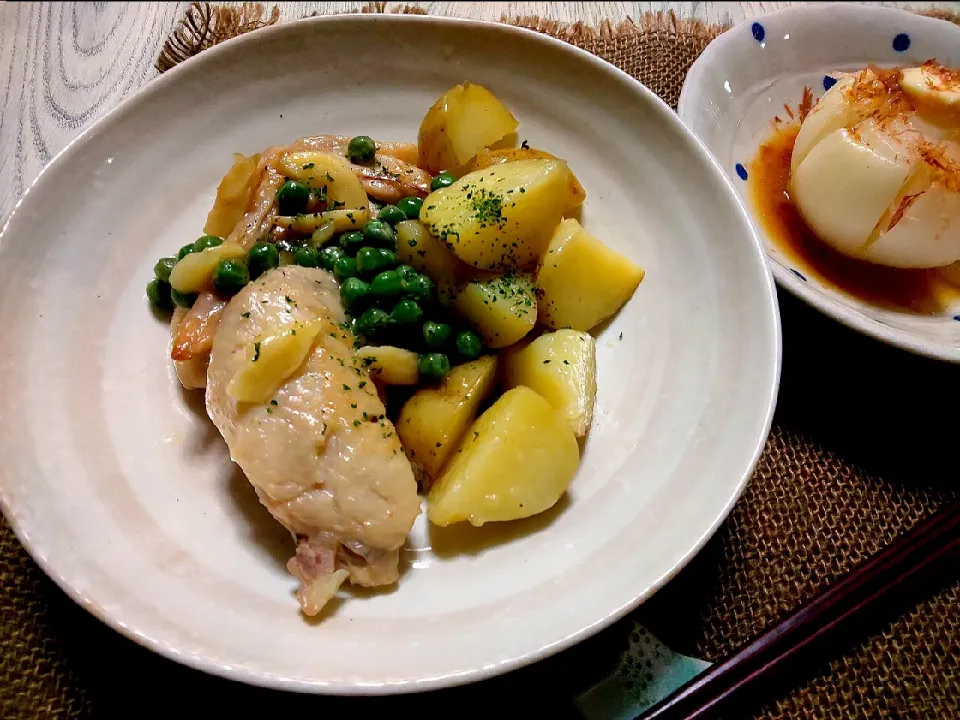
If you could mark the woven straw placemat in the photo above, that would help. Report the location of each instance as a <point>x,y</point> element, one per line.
<point>857,455</point>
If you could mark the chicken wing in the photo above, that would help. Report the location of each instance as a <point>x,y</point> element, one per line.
<point>323,457</point>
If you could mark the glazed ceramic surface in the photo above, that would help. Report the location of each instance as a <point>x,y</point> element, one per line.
<point>746,76</point>
<point>123,491</point>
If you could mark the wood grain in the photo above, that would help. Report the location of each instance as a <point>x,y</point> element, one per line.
<point>64,65</point>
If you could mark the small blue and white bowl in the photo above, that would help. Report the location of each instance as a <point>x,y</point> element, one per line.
<point>744,78</point>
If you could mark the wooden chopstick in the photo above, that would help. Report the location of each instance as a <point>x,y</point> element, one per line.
<point>924,555</point>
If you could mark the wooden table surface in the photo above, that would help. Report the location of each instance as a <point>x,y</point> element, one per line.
<point>63,65</point>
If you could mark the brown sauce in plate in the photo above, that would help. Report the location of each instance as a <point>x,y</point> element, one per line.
<point>920,291</point>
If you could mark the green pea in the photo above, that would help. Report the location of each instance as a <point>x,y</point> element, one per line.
<point>306,257</point>
<point>184,300</point>
<point>372,321</point>
<point>345,267</point>
<point>353,291</point>
<point>163,268</point>
<point>373,260</point>
<point>406,272</point>
<point>362,148</point>
<point>386,284</point>
<point>435,334</point>
<point>229,277</point>
<point>329,257</point>
<point>262,257</point>
<point>406,312</point>
<point>292,198</point>
<point>391,214</point>
<point>469,344</point>
<point>185,250</point>
<point>433,366</point>
<point>419,287</point>
<point>351,242</point>
<point>442,180</point>
<point>206,241</point>
<point>380,234</point>
<point>158,293</point>
<point>410,206</point>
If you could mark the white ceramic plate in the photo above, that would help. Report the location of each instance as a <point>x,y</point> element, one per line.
<point>123,491</point>
<point>743,79</point>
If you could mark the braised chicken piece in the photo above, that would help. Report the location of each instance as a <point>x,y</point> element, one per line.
<point>303,421</point>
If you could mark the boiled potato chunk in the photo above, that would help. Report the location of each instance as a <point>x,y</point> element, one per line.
<point>582,281</point>
<point>488,158</point>
<point>233,196</point>
<point>562,367</point>
<point>503,308</point>
<point>421,250</point>
<point>515,461</point>
<point>465,120</point>
<point>500,218</point>
<point>434,419</point>
<point>390,365</point>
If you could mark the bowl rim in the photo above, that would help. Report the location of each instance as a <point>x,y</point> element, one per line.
<point>844,314</point>
<point>773,353</point>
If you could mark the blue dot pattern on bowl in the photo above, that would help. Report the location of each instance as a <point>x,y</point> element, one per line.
<point>741,171</point>
<point>828,82</point>
<point>901,42</point>
<point>957,318</point>
<point>759,33</point>
<point>798,274</point>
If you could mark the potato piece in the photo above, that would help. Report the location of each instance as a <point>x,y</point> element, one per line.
<point>502,308</point>
<point>561,367</point>
<point>343,219</point>
<point>194,272</point>
<point>465,120</point>
<point>390,365</point>
<point>271,360</point>
<point>233,195</point>
<point>418,248</point>
<point>499,218</point>
<point>323,170</point>
<point>582,281</point>
<point>489,158</point>
<point>434,419</point>
<point>515,461</point>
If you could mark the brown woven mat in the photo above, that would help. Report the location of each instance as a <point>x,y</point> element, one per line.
<point>856,456</point>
